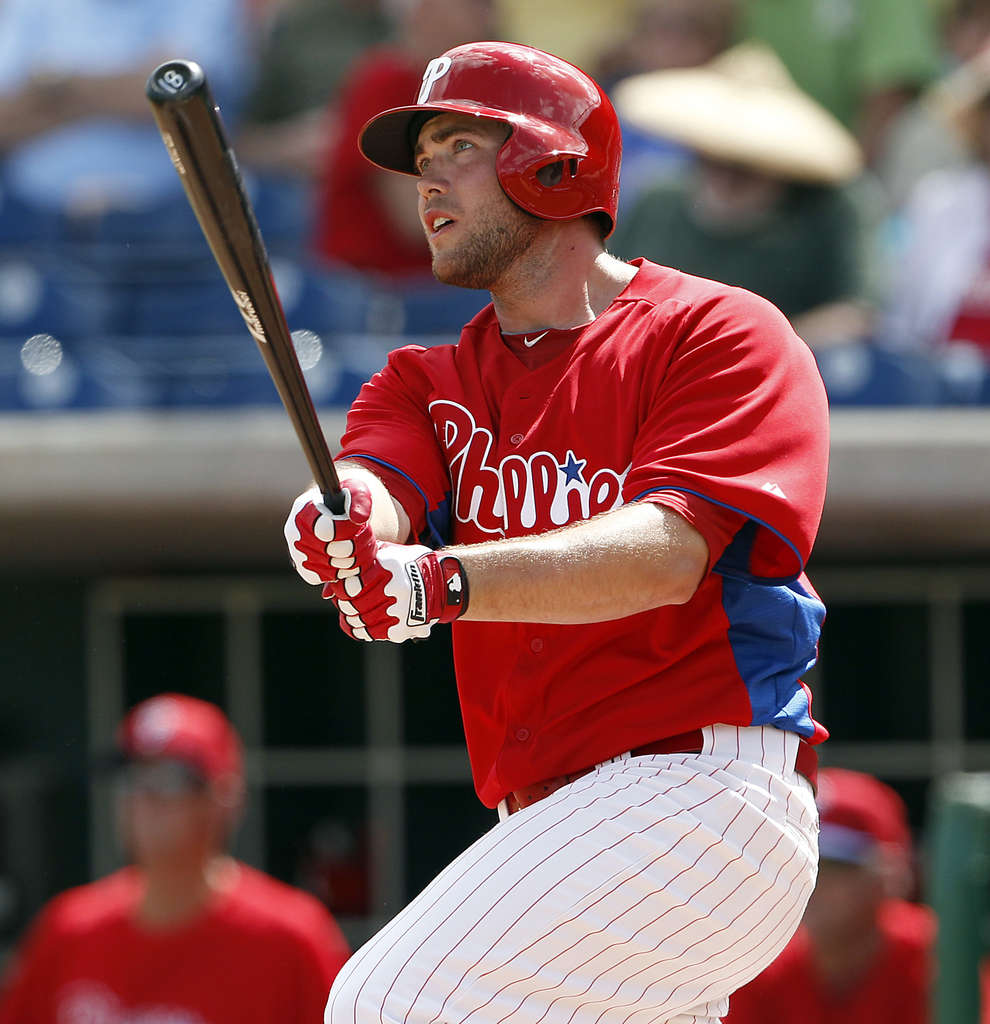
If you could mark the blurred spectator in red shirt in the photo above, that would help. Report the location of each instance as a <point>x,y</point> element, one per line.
<point>366,218</point>
<point>305,47</point>
<point>863,953</point>
<point>187,934</point>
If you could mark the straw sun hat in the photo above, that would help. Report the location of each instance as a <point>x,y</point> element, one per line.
<point>744,108</point>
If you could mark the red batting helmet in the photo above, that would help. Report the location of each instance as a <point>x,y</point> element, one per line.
<point>556,112</point>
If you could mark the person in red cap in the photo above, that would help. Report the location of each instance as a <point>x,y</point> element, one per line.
<point>863,953</point>
<point>186,934</point>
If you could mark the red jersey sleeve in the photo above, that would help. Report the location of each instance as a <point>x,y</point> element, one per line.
<point>390,430</point>
<point>737,415</point>
<point>319,956</point>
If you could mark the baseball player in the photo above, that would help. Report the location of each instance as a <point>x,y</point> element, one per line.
<point>617,474</point>
<point>185,934</point>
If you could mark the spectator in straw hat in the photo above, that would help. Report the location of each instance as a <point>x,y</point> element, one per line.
<point>863,953</point>
<point>762,206</point>
<point>186,935</point>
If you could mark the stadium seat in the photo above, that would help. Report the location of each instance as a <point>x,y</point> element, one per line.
<point>963,373</point>
<point>22,224</point>
<point>283,207</point>
<point>179,303</point>
<point>438,309</point>
<point>53,296</point>
<point>865,374</point>
<point>327,302</point>
<point>169,223</point>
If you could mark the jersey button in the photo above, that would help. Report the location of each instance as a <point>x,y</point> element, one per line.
<point>522,735</point>
<point>536,645</point>
<point>517,438</point>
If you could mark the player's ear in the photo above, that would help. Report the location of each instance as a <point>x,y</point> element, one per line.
<point>228,795</point>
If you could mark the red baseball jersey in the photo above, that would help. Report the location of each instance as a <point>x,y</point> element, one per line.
<point>896,987</point>
<point>261,952</point>
<point>683,392</point>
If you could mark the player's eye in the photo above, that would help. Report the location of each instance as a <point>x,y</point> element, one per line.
<point>421,164</point>
<point>460,144</point>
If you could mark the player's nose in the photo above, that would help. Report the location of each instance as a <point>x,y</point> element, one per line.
<point>432,183</point>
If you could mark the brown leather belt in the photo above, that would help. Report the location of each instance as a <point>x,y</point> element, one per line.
<point>806,764</point>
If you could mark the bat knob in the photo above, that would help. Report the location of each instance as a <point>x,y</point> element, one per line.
<point>174,81</point>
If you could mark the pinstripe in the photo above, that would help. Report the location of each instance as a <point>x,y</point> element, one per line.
<point>506,892</point>
<point>561,925</point>
<point>666,852</point>
<point>791,912</point>
<point>411,924</point>
<point>759,954</point>
<point>673,958</point>
<point>464,951</point>
<point>714,956</point>
<point>573,871</point>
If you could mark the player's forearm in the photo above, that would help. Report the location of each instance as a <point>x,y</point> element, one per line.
<point>638,557</point>
<point>388,521</point>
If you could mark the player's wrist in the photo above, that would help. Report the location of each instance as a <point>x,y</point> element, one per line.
<point>445,590</point>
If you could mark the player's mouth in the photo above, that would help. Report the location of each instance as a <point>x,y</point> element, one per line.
<point>438,222</point>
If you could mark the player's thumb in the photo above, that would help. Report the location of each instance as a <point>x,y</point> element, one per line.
<point>357,500</point>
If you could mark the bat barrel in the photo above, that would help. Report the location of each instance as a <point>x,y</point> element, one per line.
<point>190,125</point>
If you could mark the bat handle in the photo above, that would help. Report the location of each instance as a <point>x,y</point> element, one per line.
<point>334,500</point>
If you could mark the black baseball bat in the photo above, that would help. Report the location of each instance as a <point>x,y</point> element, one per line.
<point>189,121</point>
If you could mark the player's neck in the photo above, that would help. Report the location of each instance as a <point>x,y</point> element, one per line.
<point>565,280</point>
<point>841,965</point>
<point>179,891</point>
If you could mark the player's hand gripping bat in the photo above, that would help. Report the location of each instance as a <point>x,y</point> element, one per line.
<point>190,126</point>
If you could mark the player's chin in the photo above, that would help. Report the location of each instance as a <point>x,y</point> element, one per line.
<point>449,270</point>
<point>446,269</point>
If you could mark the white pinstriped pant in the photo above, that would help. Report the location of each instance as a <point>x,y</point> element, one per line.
<point>643,893</point>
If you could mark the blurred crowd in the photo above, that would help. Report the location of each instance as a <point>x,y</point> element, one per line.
<point>832,155</point>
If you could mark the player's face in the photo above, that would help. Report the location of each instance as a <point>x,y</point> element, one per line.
<point>845,902</point>
<point>167,814</point>
<point>475,232</point>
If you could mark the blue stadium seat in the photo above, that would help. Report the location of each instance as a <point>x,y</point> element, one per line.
<point>53,296</point>
<point>963,372</point>
<point>22,224</point>
<point>283,207</point>
<point>865,374</point>
<point>327,302</point>
<point>433,308</point>
<point>181,304</point>
<point>169,223</point>
<point>44,374</point>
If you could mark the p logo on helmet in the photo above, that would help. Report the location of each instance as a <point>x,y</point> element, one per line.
<point>435,70</point>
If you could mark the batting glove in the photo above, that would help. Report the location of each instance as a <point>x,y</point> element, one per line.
<point>327,547</point>
<point>407,591</point>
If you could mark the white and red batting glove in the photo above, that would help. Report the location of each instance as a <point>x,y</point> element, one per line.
<point>407,591</point>
<point>327,547</point>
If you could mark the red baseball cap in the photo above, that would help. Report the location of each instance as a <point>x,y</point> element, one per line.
<point>860,815</point>
<point>185,729</point>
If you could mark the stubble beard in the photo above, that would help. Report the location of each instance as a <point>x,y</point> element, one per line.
<point>484,257</point>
